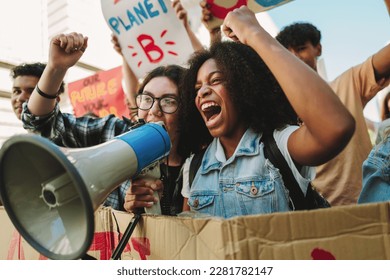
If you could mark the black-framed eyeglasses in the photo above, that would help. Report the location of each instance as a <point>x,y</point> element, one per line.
<point>167,104</point>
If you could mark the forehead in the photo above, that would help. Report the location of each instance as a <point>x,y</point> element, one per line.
<point>25,81</point>
<point>159,86</point>
<point>307,44</point>
<point>208,67</point>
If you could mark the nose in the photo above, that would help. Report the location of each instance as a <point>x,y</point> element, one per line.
<point>203,91</point>
<point>23,96</point>
<point>155,110</point>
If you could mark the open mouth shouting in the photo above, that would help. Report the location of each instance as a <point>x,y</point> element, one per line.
<point>211,112</point>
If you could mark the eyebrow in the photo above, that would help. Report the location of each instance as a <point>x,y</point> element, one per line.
<point>164,95</point>
<point>211,74</point>
<point>32,88</point>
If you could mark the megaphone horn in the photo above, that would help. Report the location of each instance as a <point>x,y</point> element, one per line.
<point>51,193</point>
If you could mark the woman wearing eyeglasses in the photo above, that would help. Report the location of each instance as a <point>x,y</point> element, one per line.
<point>157,100</point>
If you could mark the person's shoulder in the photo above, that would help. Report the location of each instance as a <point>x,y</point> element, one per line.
<point>366,65</point>
<point>285,131</point>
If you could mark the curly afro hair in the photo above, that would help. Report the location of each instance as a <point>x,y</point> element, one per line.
<point>259,99</point>
<point>297,34</point>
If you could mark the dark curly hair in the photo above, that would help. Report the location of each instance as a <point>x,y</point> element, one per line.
<point>259,99</point>
<point>31,69</point>
<point>297,34</point>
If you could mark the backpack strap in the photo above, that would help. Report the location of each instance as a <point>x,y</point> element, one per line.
<point>272,152</point>
<point>195,164</point>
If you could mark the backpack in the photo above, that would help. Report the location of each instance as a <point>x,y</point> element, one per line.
<point>298,201</point>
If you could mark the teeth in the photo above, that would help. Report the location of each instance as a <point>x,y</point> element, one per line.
<point>208,105</point>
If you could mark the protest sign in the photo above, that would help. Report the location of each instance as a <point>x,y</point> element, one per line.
<point>100,94</point>
<point>149,32</point>
<point>220,8</point>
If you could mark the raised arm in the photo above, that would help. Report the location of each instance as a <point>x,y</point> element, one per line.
<point>181,13</point>
<point>381,63</point>
<point>65,50</point>
<point>215,33</point>
<point>328,126</point>
<point>130,81</point>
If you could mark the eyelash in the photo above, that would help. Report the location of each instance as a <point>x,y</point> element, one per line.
<point>213,82</point>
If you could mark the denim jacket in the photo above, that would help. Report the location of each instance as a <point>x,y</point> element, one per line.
<point>247,183</point>
<point>376,174</point>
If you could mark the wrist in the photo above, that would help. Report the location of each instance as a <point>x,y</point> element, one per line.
<point>45,95</point>
<point>56,70</point>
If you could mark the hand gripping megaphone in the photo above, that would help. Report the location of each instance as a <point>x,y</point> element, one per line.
<point>51,193</point>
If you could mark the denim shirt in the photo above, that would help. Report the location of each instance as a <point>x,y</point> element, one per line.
<point>376,174</point>
<point>247,183</point>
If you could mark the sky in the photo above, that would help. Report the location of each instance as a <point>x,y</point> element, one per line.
<point>352,30</point>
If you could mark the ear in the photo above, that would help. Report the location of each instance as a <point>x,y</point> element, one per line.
<point>319,49</point>
<point>58,99</point>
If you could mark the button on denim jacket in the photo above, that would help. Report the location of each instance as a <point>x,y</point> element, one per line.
<point>247,183</point>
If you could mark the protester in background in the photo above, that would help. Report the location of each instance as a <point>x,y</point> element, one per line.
<point>130,81</point>
<point>376,172</point>
<point>235,92</point>
<point>158,99</point>
<point>25,77</point>
<point>340,179</point>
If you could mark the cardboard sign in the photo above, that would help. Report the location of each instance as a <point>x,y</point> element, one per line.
<point>356,232</point>
<point>100,94</point>
<point>149,32</point>
<point>220,8</point>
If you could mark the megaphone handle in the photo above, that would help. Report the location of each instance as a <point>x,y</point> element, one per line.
<point>126,236</point>
<point>153,172</point>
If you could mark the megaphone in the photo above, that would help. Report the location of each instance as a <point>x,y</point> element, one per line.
<point>51,193</point>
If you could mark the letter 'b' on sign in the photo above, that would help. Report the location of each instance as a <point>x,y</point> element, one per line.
<point>149,33</point>
<point>150,48</point>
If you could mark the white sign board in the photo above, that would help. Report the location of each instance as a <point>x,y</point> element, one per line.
<point>149,32</point>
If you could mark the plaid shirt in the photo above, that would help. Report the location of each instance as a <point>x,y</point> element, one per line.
<point>66,130</point>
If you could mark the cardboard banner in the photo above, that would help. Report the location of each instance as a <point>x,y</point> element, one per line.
<point>100,94</point>
<point>355,232</point>
<point>149,33</point>
<point>220,8</point>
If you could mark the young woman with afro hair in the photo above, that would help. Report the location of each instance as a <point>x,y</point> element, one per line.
<point>233,93</point>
